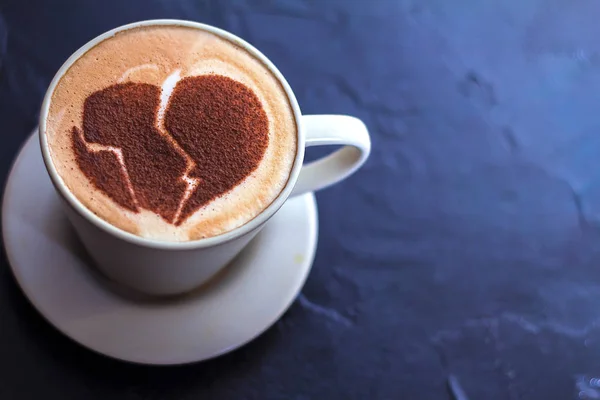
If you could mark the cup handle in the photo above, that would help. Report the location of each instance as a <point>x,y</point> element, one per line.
<point>323,130</point>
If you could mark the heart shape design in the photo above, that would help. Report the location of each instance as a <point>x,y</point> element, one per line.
<point>214,133</point>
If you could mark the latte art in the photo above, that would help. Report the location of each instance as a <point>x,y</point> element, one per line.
<point>208,135</point>
<point>183,137</point>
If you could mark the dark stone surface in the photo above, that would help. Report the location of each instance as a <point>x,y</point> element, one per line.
<point>467,247</point>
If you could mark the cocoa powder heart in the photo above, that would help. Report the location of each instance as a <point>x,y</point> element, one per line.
<point>217,122</point>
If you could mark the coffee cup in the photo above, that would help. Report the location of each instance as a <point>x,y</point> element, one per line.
<point>160,267</point>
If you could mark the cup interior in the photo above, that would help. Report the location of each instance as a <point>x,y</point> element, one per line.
<point>73,202</point>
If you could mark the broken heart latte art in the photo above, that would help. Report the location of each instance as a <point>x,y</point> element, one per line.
<point>171,133</point>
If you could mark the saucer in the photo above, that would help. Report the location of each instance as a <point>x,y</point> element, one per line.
<point>236,306</point>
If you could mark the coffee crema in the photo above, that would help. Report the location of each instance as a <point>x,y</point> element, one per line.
<point>171,133</point>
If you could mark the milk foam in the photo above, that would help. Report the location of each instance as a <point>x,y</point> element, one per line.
<point>163,56</point>
<point>167,90</point>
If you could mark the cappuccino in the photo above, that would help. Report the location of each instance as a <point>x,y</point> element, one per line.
<point>171,133</point>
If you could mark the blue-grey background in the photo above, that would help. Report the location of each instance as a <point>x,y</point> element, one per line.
<point>467,247</point>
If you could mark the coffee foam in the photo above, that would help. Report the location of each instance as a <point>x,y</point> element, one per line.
<point>191,182</point>
<point>162,56</point>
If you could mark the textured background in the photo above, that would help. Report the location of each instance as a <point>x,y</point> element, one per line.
<point>467,247</point>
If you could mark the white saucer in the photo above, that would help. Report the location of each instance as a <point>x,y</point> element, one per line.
<point>242,302</point>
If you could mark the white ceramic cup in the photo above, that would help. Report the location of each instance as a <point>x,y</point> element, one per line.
<point>167,268</point>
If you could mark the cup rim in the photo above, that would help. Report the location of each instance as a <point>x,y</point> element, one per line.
<point>119,233</point>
